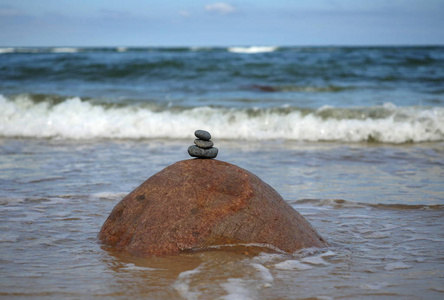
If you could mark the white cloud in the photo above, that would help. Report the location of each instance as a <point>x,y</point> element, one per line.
<point>220,8</point>
<point>184,13</point>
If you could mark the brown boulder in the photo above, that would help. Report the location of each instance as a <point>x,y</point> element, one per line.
<point>198,203</point>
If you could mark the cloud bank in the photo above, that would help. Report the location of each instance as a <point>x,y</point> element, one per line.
<point>220,8</point>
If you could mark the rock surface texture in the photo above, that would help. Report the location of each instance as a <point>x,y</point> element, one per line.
<point>196,204</point>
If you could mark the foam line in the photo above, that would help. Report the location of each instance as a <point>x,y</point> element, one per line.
<point>76,119</point>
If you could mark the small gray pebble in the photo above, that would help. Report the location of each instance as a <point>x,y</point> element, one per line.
<point>203,135</point>
<point>203,144</point>
<point>195,151</point>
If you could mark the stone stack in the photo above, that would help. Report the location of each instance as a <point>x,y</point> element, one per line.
<point>203,146</point>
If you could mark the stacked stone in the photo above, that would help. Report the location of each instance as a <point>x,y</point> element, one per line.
<point>203,147</point>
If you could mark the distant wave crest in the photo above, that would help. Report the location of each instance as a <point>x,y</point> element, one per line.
<point>252,49</point>
<point>7,50</point>
<point>65,50</point>
<point>76,119</point>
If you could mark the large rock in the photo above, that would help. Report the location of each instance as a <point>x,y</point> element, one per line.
<point>195,204</point>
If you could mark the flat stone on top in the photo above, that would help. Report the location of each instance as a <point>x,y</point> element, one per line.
<point>195,151</point>
<point>203,135</point>
<point>203,144</point>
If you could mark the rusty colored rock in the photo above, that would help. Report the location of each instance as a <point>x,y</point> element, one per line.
<point>195,204</point>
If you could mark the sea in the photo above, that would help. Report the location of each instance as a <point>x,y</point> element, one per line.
<point>351,137</point>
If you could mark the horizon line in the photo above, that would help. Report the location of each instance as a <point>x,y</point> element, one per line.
<point>227,46</point>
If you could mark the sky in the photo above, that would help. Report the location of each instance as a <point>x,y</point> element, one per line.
<point>220,23</point>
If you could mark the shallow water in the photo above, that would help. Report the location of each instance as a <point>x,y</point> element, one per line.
<point>380,206</point>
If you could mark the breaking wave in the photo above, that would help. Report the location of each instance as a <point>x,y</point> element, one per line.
<point>252,49</point>
<point>74,118</point>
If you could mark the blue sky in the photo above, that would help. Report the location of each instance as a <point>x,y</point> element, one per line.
<point>220,23</point>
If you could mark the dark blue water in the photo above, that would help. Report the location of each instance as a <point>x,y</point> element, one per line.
<point>300,77</point>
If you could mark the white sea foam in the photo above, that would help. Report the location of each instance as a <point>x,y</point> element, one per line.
<point>182,284</point>
<point>237,290</point>
<point>252,49</point>
<point>133,267</point>
<point>108,195</point>
<point>329,253</point>
<point>201,48</point>
<point>314,260</point>
<point>7,50</point>
<point>292,265</point>
<point>65,50</point>
<point>264,272</point>
<point>267,258</point>
<point>39,50</point>
<point>77,119</point>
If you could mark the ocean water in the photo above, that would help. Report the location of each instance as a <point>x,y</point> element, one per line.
<point>351,137</point>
